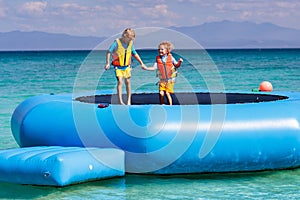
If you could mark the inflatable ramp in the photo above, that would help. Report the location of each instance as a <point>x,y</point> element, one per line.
<point>59,166</point>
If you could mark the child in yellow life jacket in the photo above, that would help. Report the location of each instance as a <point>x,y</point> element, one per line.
<point>166,67</point>
<point>121,51</point>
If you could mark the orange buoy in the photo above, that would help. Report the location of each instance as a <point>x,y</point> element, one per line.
<point>265,86</point>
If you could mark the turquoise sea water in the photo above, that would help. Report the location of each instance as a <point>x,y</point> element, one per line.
<point>26,74</point>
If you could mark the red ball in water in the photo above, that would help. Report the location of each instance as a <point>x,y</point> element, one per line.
<point>265,86</point>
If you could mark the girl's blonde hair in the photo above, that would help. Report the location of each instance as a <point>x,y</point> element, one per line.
<point>128,33</point>
<point>169,46</point>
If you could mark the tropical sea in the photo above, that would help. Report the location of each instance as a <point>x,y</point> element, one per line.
<point>24,74</point>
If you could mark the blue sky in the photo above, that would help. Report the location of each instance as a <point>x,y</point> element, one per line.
<point>109,17</point>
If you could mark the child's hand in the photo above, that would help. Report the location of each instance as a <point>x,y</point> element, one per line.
<point>107,66</point>
<point>180,60</point>
<point>144,67</point>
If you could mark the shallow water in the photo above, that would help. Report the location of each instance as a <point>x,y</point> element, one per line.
<point>26,74</point>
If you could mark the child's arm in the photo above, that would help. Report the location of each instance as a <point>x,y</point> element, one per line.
<point>107,65</point>
<point>150,68</point>
<point>138,58</point>
<point>154,67</point>
<point>178,63</point>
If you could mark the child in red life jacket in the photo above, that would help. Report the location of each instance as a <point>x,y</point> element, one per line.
<point>121,51</point>
<point>166,67</point>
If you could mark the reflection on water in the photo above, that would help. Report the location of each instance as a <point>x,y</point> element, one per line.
<point>193,186</point>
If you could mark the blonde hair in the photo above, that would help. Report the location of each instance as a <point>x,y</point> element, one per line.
<point>128,33</point>
<point>169,46</point>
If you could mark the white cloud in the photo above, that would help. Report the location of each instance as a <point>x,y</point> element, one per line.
<point>2,9</point>
<point>159,14</point>
<point>34,8</point>
<point>161,9</point>
<point>246,15</point>
<point>73,8</point>
<point>104,18</point>
<point>286,4</point>
<point>275,11</point>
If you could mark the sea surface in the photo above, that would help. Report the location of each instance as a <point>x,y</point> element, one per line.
<point>24,74</point>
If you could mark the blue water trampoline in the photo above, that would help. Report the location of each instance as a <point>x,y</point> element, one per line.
<point>202,132</point>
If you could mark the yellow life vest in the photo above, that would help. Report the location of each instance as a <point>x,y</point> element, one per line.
<point>122,57</point>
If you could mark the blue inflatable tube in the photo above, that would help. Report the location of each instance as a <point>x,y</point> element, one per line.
<point>202,132</point>
<point>59,166</point>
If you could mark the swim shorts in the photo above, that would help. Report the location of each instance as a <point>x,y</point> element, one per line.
<point>167,86</point>
<point>124,73</point>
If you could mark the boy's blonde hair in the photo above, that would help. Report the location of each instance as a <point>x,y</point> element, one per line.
<point>169,46</point>
<point>129,33</point>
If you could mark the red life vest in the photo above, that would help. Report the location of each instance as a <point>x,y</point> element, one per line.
<point>166,71</point>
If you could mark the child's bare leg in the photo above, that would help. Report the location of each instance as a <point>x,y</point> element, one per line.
<point>169,98</point>
<point>128,90</point>
<point>161,97</point>
<point>119,90</point>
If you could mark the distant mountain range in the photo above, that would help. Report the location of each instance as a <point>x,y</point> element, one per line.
<point>224,34</point>
<point>18,40</point>
<point>228,34</point>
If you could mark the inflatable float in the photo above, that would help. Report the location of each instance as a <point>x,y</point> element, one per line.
<point>201,133</point>
<point>59,166</point>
